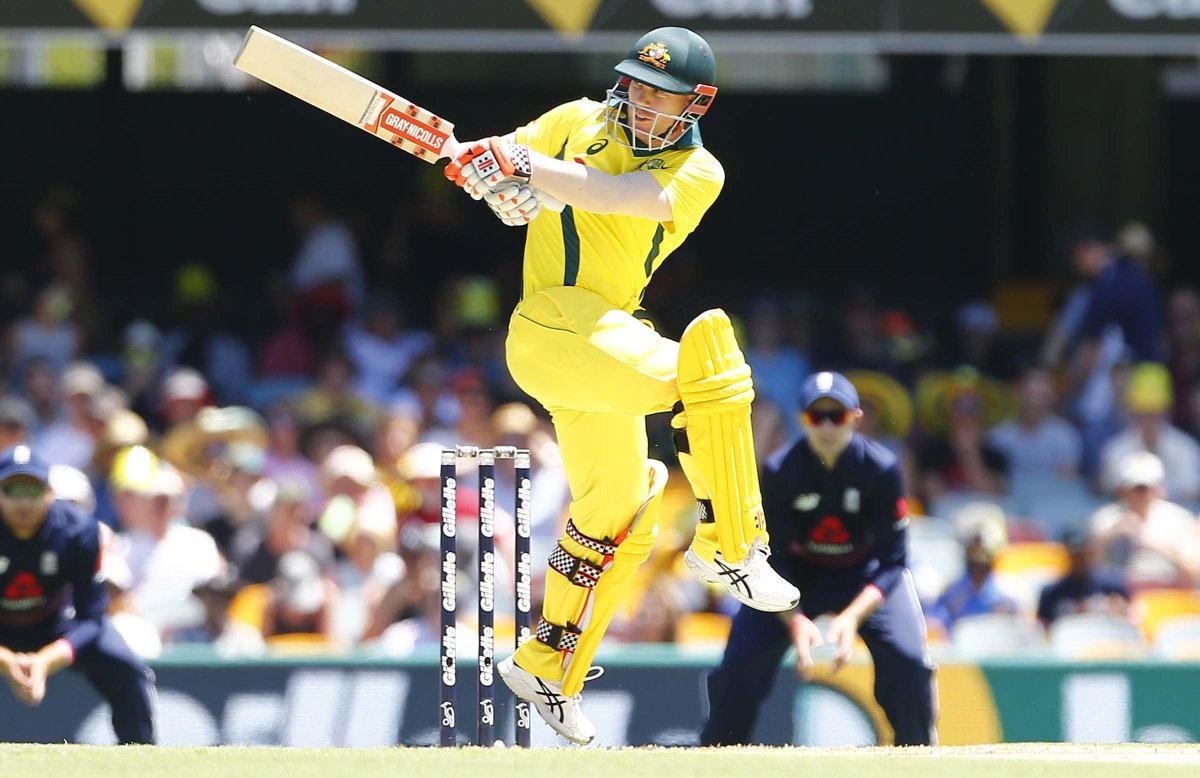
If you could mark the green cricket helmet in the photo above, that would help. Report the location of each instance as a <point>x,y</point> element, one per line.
<point>669,59</point>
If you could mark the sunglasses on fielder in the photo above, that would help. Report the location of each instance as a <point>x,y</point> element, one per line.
<point>23,491</point>
<point>837,417</point>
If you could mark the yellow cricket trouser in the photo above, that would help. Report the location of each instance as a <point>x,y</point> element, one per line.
<point>599,372</point>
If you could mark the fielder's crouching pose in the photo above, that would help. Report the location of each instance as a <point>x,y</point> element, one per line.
<point>636,181</point>
<point>838,532</point>
<point>53,600</point>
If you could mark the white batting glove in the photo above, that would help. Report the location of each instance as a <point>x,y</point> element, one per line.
<point>514,203</point>
<point>485,164</point>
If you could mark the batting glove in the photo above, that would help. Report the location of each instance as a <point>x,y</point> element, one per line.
<point>515,204</point>
<point>486,163</point>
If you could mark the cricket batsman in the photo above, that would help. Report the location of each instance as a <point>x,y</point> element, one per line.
<point>636,180</point>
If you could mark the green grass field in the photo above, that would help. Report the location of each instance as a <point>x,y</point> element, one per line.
<point>1024,760</point>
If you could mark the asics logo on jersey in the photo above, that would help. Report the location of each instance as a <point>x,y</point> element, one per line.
<point>597,147</point>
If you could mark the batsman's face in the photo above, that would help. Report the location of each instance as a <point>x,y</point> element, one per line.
<point>24,502</point>
<point>828,426</point>
<point>654,111</point>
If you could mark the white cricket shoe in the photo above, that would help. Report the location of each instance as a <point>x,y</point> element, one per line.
<point>751,581</point>
<point>562,713</point>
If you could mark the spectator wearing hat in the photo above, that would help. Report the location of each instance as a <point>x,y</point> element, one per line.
<point>348,477</point>
<point>1086,588</point>
<point>184,393</point>
<point>369,567</point>
<point>53,605</point>
<point>302,600</point>
<point>1148,399</point>
<point>1153,542</point>
<point>1038,443</point>
<point>17,421</point>
<point>123,430</point>
<point>976,592</point>
<point>166,557</point>
<point>71,440</point>
<point>961,459</point>
<point>228,637</point>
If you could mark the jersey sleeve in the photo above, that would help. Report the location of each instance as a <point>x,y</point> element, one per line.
<point>89,595</point>
<point>692,188</point>
<point>890,522</point>
<point>548,133</point>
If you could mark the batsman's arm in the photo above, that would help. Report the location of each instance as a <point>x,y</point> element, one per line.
<point>631,194</point>
<point>637,193</point>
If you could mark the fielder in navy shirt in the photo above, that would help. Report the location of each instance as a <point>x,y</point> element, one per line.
<point>53,602</point>
<point>836,513</point>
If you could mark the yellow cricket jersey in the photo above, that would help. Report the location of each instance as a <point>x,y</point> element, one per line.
<point>612,255</point>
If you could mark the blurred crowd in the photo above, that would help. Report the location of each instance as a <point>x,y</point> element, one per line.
<point>282,490</point>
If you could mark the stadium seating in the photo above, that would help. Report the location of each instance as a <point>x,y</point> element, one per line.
<point>995,635</point>
<point>1088,636</point>
<point>934,555</point>
<point>702,627</point>
<point>1023,569</point>
<point>1178,639</point>
<point>1154,607</point>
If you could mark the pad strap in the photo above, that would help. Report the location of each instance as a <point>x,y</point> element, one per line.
<point>578,571</point>
<point>557,637</point>
<point>605,547</point>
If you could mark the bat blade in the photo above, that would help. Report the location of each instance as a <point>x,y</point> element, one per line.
<point>345,94</point>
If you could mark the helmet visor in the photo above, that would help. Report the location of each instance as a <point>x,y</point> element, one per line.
<point>641,128</point>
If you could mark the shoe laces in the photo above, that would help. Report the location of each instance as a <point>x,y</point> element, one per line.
<point>594,672</point>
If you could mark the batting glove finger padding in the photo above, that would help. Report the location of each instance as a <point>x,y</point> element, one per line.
<point>514,203</point>
<point>485,163</point>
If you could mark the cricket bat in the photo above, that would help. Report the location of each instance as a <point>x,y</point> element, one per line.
<point>351,98</point>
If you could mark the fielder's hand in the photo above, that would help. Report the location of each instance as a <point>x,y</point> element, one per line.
<point>481,165</point>
<point>843,633</point>
<point>805,637</point>
<point>515,204</point>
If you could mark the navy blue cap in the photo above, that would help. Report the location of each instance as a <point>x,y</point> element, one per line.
<point>22,460</point>
<point>835,386</point>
